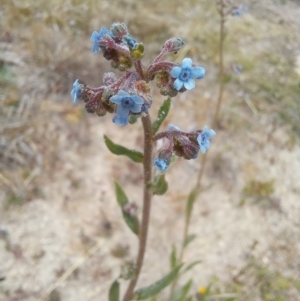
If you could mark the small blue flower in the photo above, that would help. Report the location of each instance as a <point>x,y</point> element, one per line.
<point>185,74</point>
<point>75,93</point>
<point>161,164</point>
<point>120,120</point>
<point>126,103</point>
<point>203,139</point>
<point>96,37</point>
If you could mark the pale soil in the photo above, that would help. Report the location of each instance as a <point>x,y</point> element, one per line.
<point>51,233</point>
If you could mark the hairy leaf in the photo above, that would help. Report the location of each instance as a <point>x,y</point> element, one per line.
<point>155,288</point>
<point>161,116</point>
<point>114,291</point>
<point>131,221</point>
<point>120,150</point>
<point>182,292</point>
<point>190,266</point>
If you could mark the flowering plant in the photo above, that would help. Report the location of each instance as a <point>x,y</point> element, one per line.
<point>129,98</point>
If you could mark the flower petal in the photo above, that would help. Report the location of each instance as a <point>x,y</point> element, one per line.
<point>211,133</point>
<point>117,99</point>
<point>136,108</point>
<point>203,149</point>
<point>198,72</point>
<point>123,93</point>
<point>187,63</point>
<point>123,111</point>
<point>103,31</point>
<point>178,84</point>
<point>94,37</point>
<point>120,120</point>
<point>95,48</point>
<point>190,84</point>
<point>137,99</point>
<point>175,72</point>
<point>160,164</point>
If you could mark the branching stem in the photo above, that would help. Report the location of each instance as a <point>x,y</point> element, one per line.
<point>214,124</point>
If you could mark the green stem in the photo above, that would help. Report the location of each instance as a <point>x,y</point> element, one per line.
<point>147,164</point>
<point>214,124</point>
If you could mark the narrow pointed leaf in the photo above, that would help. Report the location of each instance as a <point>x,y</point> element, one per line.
<point>189,204</point>
<point>190,266</point>
<point>159,185</point>
<point>189,239</point>
<point>161,116</point>
<point>173,258</point>
<point>182,292</point>
<point>155,288</point>
<point>114,291</point>
<point>131,221</point>
<point>120,150</point>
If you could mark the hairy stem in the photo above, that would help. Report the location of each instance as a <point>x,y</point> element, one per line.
<point>147,164</point>
<point>214,123</point>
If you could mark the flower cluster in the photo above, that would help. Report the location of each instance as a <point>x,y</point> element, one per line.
<point>131,94</point>
<point>129,97</point>
<point>182,144</point>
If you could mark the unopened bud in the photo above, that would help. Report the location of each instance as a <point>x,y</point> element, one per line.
<point>174,44</point>
<point>118,30</point>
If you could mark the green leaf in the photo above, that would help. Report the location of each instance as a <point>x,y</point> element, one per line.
<point>114,291</point>
<point>121,150</point>
<point>190,266</point>
<point>155,288</point>
<point>181,293</point>
<point>159,185</point>
<point>161,116</point>
<point>121,196</point>
<point>131,221</point>
<point>173,257</point>
<point>189,239</point>
<point>189,204</point>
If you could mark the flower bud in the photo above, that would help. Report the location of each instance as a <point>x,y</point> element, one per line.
<point>174,44</point>
<point>184,147</point>
<point>138,51</point>
<point>163,160</point>
<point>118,30</point>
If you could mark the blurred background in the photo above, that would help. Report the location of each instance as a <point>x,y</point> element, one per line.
<point>58,213</point>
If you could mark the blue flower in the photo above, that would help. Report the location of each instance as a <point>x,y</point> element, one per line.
<point>96,37</point>
<point>126,103</point>
<point>120,120</point>
<point>75,93</point>
<point>185,74</point>
<point>161,164</point>
<point>203,139</point>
